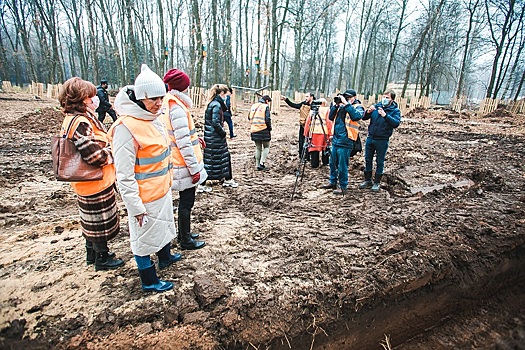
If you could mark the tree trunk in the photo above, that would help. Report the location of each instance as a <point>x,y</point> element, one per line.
<point>473,4</point>
<point>420,45</point>
<point>505,28</point>
<point>343,52</point>
<point>197,32</point>
<point>396,41</point>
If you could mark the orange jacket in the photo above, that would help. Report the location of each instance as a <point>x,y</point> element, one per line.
<point>88,188</point>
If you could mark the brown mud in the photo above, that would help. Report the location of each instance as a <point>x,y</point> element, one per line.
<point>435,260</point>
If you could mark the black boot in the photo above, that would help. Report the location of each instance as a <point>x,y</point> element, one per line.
<point>150,281</point>
<point>193,235</point>
<point>377,182</point>
<point>104,262</point>
<point>187,242</point>
<point>368,181</point>
<point>91,255</point>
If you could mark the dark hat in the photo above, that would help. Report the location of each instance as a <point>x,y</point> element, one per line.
<point>350,93</point>
<point>177,79</point>
<point>103,81</point>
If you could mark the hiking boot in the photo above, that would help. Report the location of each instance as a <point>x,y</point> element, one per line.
<point>377,183</point>
<point>340,191</point>
<point>261,167</point>
<point>366,184</point>
<point>104,262</point>
<point>230,183</point>
<point>329,187</point>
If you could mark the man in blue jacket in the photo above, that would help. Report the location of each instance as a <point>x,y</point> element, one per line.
<point>345,112</point>
<point>384,118</point>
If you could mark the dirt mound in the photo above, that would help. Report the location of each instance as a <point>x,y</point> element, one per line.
<point>46,121</point>
<point>442,239</point>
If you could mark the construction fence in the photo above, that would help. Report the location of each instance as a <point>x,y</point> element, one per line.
<point>199,98</point>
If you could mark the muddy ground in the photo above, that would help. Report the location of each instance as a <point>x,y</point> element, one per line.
<point>436,260</point>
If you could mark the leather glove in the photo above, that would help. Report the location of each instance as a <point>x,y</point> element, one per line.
<point>195,178</point>
<point>202,142</point>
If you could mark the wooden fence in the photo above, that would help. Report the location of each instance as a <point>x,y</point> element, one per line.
<point>199,96</point>
<point>456,104</point>
<point>7,87</point>
<point>489,105</point>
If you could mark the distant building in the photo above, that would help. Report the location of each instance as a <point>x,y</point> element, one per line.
<point>398,88</point>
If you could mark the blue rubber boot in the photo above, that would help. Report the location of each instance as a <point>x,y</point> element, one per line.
<point>166,258</point>
<point>150,281</point>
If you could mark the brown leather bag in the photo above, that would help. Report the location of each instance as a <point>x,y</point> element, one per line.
<point>68,164</point>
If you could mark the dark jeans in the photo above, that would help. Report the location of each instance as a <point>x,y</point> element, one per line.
<point>229,121</point>
<point>379,147</point>
<point>339,166</point>
<point>102,115</point>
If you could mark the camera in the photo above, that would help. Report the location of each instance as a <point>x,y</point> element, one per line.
<point>315,105</point>
<point>337,99</point>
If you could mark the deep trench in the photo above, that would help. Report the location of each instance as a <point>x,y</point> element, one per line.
<point>408,318</point>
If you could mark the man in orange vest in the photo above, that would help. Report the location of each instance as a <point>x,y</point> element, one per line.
<point>304,111</point>
<point>345,113</point>
<point>260,129</point>
<point>186,154</point>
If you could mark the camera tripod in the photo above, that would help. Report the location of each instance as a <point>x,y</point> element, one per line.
<point>315,120</point>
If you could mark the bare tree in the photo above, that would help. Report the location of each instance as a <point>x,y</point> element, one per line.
<point>433,15</point>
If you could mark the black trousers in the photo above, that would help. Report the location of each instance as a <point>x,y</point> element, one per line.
<point>186,202</point>
<point>301,140</point>
<point>111,112</point>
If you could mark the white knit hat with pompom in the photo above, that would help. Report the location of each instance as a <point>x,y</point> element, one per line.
<point>148,84</point>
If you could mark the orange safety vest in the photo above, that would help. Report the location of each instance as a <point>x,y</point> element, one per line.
<point>152,162</point>
<point>176,157</point>
<point>258,117</point>
<point>304,112</point>
<point>352,127</point>
<point>320,124</point>
<point>88,188</point>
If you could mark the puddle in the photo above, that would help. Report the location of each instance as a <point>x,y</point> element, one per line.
<point>427,189</point>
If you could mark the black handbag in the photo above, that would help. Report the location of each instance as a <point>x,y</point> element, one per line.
<point>358,147</point>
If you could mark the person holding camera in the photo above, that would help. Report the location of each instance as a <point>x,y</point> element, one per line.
<point>345,112</point>
<point>384,118</point>
<point>304,111</point>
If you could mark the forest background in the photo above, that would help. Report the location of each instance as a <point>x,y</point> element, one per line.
<point>456,48</point>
